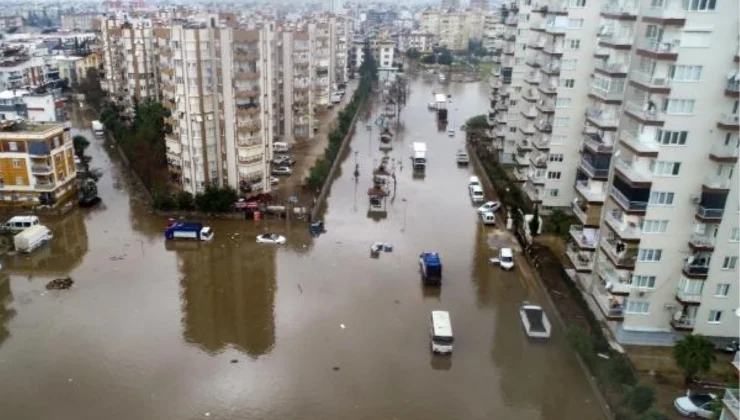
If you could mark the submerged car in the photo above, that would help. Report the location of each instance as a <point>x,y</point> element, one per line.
<point>282,170</point>
<point>491,206</point>
<point>270,238</point>
<point>696,405</point>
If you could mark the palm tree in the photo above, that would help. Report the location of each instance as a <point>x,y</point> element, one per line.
<point>693,354</point>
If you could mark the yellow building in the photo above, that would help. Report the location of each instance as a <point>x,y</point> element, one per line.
<point>74,68</point>
<point>36,163</point>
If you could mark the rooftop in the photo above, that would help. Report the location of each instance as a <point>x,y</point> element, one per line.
<point>13,128</point>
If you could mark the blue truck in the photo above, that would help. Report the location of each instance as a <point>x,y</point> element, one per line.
<point>188,230</point>
<point>430,265</point>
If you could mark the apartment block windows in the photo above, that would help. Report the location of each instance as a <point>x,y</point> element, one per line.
<point>722,290</point>
<point>555,157</point>
<point>699,5</point>
<point>573,44</point>
<point>13,146</point>
<point>658,198</point>
<point>715,317</point>
<point>513,129</point>
<point>661,168</point>
<point>735,235</point>
<point>685,73</point>
<point>729,263</point>
<point>568,83</point>
<point>672,138</point>
<point>562,103</point>
<point>654,226</point>
<point>575,23</point>
<point>649,255</point>
<point>577,3</point>
<point>553,192</point>
<point>643,282</point>
<point>561,122</point>
<point>554,175</point>
<point>679,106</point>
<point>16,163</point>
<point>637,307</point>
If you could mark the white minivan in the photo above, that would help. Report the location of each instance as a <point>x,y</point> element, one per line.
<point>441,333</point>
<point>20,223</point>
<point>473,181</point>
<point>506,258</point>
<point>280,147</point>
<point>476,194</point>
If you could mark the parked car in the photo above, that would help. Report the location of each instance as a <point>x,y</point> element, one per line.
<point>283,160</point>
<point>270,238</point>
<point>274,180</point>
<point>476,194</point>
<point>491,206</point>
<point>695,405</point>
<point>282,170</point>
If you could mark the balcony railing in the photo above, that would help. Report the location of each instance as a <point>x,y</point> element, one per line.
<point>732,400</point>
<point>688,296</point>
<point>624,258</point>
<point>709,213</point>
<point>591,194</point>
<point>611,307</point>
<point>684,322</point>
<point>582,239</point>
<point>628,8</point>
<point>41,169</point>
<point>611,67</point>
<point>733,86</point>
<point>634,173</point>
<point>593,171</point>
<point>609,95</point>
<point>729,119</point>
<point>696,269</point>
<point>650,80</point>
<point>626,202</point>
<point>668,10</point>
<point>46,186</point>
<point>724,152</point>
<point>633,140</point>
<point>625,230</point>
<point>659,46</point>
<point>717,182</point>
<point>645,112</point>
<point>617,39</point>
<point>582,260</point>
<point>617,284</point>
<point>702,241</point>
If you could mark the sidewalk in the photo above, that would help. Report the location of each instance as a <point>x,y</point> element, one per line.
<point>307,152</point>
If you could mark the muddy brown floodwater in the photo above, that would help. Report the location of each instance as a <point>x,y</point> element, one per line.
<point>312,330</point>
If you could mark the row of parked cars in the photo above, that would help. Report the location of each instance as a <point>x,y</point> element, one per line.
<point>282,161</point>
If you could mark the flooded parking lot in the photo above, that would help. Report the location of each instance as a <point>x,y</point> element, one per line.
<point>315,329</point>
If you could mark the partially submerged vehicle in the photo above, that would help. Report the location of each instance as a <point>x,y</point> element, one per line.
<point>430,265</point>
<point>534,320</point>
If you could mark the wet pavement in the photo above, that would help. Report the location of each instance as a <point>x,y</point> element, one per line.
<point>315,329</point>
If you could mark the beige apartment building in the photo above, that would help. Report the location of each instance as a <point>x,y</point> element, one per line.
<point>453,28</point>
<point>634,128</point>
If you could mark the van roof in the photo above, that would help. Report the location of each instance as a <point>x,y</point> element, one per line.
<point>476,188</point>
<point>507,252</point>
<point>23,219</point>
<point>441,324</point>
<point>474,178</point>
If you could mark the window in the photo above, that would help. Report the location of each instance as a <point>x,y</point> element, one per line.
<point>568,64</point>
<point>577,3</point>
<point>658,198</point>
<point>672,138</point>
<point>637,307</point>
<point>517,89</point>
<point>661,168</point>
<point>715,317</point>
<point>562,103</point>
<point>679,106</point>
<point>723,289</point>
<point>699,5</point>
<point>735,235</point>
<point>649,255</point>
<point>573,44</point>
<point>553,175</point>
<point>512,102</point>
<point>729,263</point>
<point>552,192</point>
<point>654,226</point>
<point>13,146</point>
<point>555,157</point>
<point>685,73</point>
<point>568,83</point>
<point>512,129</point>
<point>561,122</point>
<point>575,23</point>
<point>644,282</point>
<point>16,163</point>
<point>19,180</point>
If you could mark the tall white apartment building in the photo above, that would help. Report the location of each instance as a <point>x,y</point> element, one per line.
<point>218,84</point>
<point>634,105</point>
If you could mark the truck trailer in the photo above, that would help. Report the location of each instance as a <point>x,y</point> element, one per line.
<point>32,238</point>
<point>419,158</point>
<point>188,230</point>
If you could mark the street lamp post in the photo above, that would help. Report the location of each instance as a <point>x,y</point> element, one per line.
<point>405,206</point>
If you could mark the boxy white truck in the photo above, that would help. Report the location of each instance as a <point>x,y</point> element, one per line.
<point>419,158</point>
<point>32,238</point>
<point>98,128</point>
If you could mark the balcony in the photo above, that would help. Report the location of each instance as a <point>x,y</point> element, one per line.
<point>530,95</point>
<point>732,88</point>
<point>731,400</point>
<point>527,128</point>
<point>41,169</point>
<point>583,261</point>
<point>658,49</point>
<point>699,268</point>
<point>554,28</point>
<point>538,159</point>
<point>702,242</point>
<point>716,183</point>
<point>627,203</point>
<point>523,145</point>
<point>646,113</point>
<point>596,143</point>
<point>553,49</point>
<point>639,145</point>
<point>621,225</point>
<point>543,126</point>
<point>650,82</point>
<point>683,323</point>
<point>611,306</point>
<point>723,153</point>
<point>614,283</point>
<point>593,193</point>
<point>551,68</point>
<point>545,106</point>
<point>542,142</point>
<point>602,118</point>
<point>611,68</point>
<point>532,61</point>
<point>728,121</point>
<point>548,88</point>
<point>624,259</point>
<point>536,177</point>
<point>585,238</point>
<point>533,194</point>
<point>530,112</point>
<point>708,214</point>
<point>532,78</point>
<point>521,160</point>
<point>45,186</point>
<point>592,171</point>
<point>622,10</point>
<point>606,95</point>
<point>687,296</point>
<point>668,12</point>
<point>616,40</point>
<point>633,171</point>
<point>587,214</point>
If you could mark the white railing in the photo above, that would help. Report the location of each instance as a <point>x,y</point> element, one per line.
<point>723,151</point>
<point>644,111</point>
<point>729,119</point>
<point>650,80</point>
<point>634,142</point>
<point>634,173</point>
<point>616,219</point>
<point>659,46</point>
<point>686,296</point>
<point>591,194</point>
<point>702,240</point>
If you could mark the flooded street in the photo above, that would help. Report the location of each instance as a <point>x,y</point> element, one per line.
<point>315,329</point>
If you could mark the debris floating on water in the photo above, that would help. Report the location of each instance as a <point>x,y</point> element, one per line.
<point>62,283</point>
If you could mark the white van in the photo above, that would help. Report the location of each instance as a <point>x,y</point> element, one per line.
<point>476,194</point>
<point>20,223</point>
<point>506,258</point>
<point>488,218</point>
<point>280,147</point>
<point>473,181</point>
<point>441,333</point>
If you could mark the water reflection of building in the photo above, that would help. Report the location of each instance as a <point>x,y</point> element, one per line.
<point>6,313</point>
<point>63,253</point>
<point>228,294</point>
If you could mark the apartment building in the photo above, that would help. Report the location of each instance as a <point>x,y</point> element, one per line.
<point>18,69</point>
<point>41,106</point>
<point>453,28</point>
<point>218,84</point>
<point>384,51</point>
<point>36,163</point>
<point>656,185</point>
<point>80,21</point>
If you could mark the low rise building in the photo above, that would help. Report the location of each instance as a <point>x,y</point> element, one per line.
<point>36,163</point>
<point>80,21</point>
<point>41,106</point>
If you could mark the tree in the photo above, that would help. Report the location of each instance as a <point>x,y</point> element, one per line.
<point>368,68</point>
<point>641,397</point>
<point>534,223</point>
<point>90,87</point>
<point>445,57</point>
<point>429,59</point>
<point>80,143</point>
<point>479,122</point>
<point>413,54</point>
<point>693,354</point>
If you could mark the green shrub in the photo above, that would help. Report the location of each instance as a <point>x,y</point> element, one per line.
<point>640,398</point>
